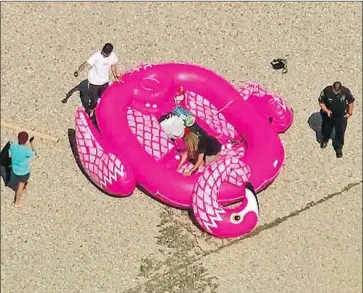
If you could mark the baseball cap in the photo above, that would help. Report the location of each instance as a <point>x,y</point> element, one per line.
<point>189,120</point>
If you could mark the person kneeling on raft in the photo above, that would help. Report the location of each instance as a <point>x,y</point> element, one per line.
<point>200,148</point>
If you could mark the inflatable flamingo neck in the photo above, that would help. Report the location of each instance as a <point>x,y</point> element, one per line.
<point>212,217</point>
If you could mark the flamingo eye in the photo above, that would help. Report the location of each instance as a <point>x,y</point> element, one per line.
<point>236,219</point>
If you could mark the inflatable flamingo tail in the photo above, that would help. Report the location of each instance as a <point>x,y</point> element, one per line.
<point>104,169</point>
<point>270,106</point>
<point>210,215</point>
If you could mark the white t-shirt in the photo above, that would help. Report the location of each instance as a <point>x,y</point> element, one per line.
<point>99,73</point>
<point>173,127</point>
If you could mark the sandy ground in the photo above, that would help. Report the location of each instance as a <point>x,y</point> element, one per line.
<point>72,238</point>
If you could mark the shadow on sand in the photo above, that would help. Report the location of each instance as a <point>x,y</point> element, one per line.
<point>314,122</point>
<point>82,88</point>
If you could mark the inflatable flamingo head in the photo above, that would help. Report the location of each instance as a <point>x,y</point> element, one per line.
<point>213,217</point>
<point>242,219</point>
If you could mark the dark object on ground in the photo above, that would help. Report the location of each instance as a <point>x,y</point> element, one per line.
<point>279,64</point>
<point>315,121</point>
<point>75,73</point>
<point>5,163</point>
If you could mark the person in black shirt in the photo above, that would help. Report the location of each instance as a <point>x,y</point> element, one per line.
<point>197,147</point>
<point>336,103</point>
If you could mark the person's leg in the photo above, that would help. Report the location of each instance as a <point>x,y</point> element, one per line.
<point>93,96</point>
<point>100,91</point>
<point>326,129</point>
<point>338,142</point>
<point>103,88</point>
<point>18,195</point>
<point>23,181</point>
<point>84,93</point>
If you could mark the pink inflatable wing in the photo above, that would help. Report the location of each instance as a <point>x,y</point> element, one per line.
<point>270,106</point>
<point>104,169</point>
<point>130,146</point>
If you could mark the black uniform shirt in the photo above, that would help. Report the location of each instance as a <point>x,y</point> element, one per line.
<point>337,103</point>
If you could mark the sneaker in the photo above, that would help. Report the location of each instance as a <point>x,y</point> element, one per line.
<point>323,145</point>
<point>339,153</point>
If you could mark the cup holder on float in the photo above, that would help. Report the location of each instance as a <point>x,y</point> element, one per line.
<point>150,84</point>
<point>152,94</point>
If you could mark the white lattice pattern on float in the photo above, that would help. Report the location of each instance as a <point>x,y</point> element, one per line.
<point>251,89</point>
<point>229,168</point>
<point>103,168</point>
<point>186,167</point>
<point>201,107</point>
<point>276,103</point>
<point>149,133</point>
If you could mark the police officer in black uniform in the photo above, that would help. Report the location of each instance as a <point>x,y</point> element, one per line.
<point>336,103</point>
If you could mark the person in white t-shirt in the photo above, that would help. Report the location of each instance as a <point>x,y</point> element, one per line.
<point>100,64</point>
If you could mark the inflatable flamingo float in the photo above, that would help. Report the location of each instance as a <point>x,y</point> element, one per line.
<point>129,147</point>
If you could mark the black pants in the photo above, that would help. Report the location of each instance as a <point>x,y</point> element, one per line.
<point>95,92</point>
<point>340,125</point>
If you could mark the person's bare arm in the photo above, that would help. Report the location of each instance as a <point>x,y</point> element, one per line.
<point>324,108</point>
<point>182,160</point>
<point>197,164</point>
<point>350,110</point>
<point>80,68</point>
<point>114,71</point>
<point>31,141</point>
<point>350,104</point>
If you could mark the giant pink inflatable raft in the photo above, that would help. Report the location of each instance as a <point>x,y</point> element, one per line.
<point>129,146</point>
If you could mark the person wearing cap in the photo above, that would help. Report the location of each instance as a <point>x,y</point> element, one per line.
<point>100,64</point>
<point>336,107</point>
<point>200,148</point>
<point>20,155</point>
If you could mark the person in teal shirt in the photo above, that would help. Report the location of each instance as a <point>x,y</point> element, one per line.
<point>20,165</point>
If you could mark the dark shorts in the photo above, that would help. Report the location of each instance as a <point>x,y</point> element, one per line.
<point>95,92</point>
<point>16,179</point>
